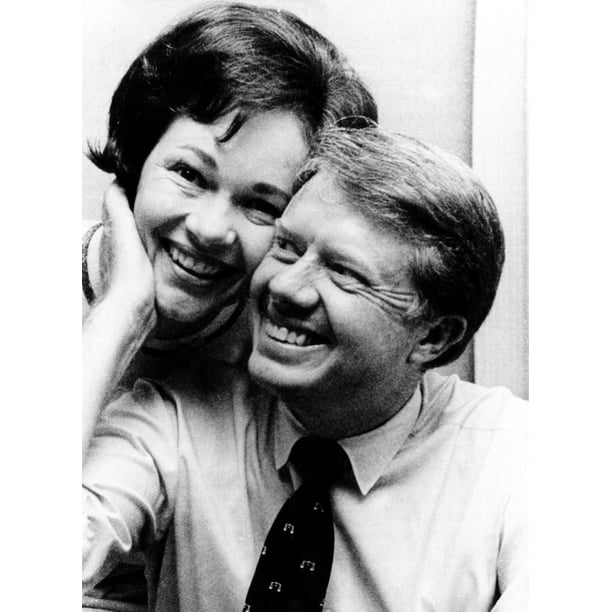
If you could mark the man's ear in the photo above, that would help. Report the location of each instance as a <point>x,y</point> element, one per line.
<point>438,336</point>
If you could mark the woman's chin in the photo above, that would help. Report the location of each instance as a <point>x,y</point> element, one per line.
<point>180,313</point>
<point>174,321</point>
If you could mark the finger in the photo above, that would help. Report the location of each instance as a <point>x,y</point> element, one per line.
<point>118,217</point>
<point>115,205</point>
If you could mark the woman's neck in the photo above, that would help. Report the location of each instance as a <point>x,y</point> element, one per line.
<point>167,329</point>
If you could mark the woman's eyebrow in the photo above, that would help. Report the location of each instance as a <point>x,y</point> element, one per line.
<point>205,158</point>
<point>270,190</point>
<point>259,188</point>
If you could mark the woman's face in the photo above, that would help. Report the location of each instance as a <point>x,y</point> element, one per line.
<point>205,209</point>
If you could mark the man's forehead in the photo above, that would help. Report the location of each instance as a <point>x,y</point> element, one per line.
<point>322,214</point>
<point>320,186</point>
<point>323,193</point>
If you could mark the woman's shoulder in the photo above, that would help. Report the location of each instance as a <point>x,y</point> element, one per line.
<point>87,224</point>
<point>209,384</point>
<point>220,393</point>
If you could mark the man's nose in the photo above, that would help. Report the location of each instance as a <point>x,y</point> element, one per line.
<point>294,288</point>
<point>210,222</point>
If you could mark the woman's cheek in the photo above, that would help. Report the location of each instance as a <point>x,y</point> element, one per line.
<point>256,244</point>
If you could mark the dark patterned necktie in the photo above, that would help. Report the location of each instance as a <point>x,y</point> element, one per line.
<point>295,563</point>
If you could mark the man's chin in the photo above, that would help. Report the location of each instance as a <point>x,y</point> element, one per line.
<point>278,378</point>
<point>262,372</point>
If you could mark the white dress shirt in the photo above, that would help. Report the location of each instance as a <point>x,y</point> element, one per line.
<point>432,517</point>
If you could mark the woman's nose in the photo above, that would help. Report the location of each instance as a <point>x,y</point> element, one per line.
<point>210,222</point>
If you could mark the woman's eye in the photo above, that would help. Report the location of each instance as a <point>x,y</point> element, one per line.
<point>190,175</point>
<point>260,211</point>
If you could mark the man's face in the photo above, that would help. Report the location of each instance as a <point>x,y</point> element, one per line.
<point>329,302</point>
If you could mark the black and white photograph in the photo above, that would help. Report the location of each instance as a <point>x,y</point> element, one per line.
<point>344,299</point>
<point>305,306</point>
<point>344,305</point>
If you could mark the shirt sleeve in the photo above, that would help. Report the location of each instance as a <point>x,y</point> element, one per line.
<point>513,560</point>
<point>129,479</point>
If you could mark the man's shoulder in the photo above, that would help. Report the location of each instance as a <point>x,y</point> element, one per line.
<point>486,428</point>
<point>473,406</point>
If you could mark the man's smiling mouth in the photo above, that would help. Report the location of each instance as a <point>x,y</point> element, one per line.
<point>199,266</point>
<point>291,336</point>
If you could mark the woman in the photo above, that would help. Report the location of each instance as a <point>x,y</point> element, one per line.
<point>206,130</point>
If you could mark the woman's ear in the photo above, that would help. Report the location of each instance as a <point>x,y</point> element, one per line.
<point>438,336</point>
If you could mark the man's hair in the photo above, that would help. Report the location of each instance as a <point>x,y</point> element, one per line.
<point>431,199</point>
<point>227,57</point>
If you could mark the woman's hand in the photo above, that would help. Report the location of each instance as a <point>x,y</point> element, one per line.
<point>127,273</point>
<point>123,316</point>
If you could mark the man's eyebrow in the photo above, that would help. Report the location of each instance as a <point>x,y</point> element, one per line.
<point>281,227</point>
<point>283,230</point>
<point>352,257</point>
<point>205,158</point>
<point>349,255</point>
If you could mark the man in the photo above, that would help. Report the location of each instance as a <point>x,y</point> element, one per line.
<point>384,265</point>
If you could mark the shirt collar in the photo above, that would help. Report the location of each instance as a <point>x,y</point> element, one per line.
<point>369,453</point>
<point>287,431</point>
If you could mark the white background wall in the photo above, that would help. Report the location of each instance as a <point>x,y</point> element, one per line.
<point>417,57</point>
<point>498,155</point>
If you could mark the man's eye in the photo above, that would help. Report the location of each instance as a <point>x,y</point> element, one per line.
<point>283,248</point>
<point>346,274</point>
<point>282,243</point>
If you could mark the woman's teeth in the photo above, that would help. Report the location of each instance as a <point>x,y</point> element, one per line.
<point>282,334</point>
<point>191,265</point>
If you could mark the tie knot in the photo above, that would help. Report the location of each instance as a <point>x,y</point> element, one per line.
<point>318,460</point>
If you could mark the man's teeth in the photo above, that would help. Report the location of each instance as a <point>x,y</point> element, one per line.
<point>189,263</point>
<point>284,335</point>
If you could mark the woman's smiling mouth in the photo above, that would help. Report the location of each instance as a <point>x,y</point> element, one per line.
<point>200,266</point>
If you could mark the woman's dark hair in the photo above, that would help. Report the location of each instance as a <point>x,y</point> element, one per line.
<point>227,57</point>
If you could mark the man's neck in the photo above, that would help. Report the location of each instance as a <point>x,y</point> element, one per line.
<point>336,417</point>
